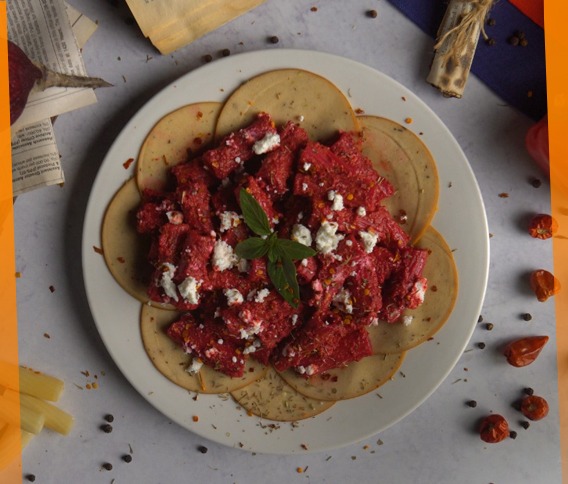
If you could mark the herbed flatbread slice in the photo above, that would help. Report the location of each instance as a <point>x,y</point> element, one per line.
<point>353,380</point>
<point>430,316</point>
<point>289,95</point>
<point>170,360</point>
<point>175,137</point>
<point>124,249</point>
<point>404,160</point>
<point>272,398</point>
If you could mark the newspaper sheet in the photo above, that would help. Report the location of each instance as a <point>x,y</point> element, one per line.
<point>35,157</point>
<point>171,24</point>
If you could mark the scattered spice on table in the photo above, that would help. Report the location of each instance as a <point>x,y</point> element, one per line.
<point>46,335</point>
<point>543,226</point>
<point>127,163</point>
<point>480,319</point>
<point>535,182</point>
<point>525,424</point>
<point>127,458</point>
<point>274,39</point>
<point>524,351</point>
<point>225,52</point>
<point>528,391</point>
<point>372,13</point>
<point>527,316</point>
<point>471,403</point>
<point>493,428</point>
<point>31,477</point>
<point>52,289</point>
<point>109,418</point>
<point>489,326</point>
<point>106,428</point>
<point>544,284</point>
<point>107,466</point>
<point>534,407</point>
<point>98,250</point>
<point>202,449</point>
<point>513,434</point>
<point>503,195</point>
<point>207,58</point>
<point>481,345</point>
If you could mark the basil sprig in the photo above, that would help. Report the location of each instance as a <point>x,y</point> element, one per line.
<point>280,252</point>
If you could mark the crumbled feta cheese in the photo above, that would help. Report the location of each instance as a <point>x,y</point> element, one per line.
<point>234,359</point>
<point>266,144</point>
<point>175,217</point>
<point>375,322</point>
<point>229,220</point>
<point>294,319</point>
<point>188,289</point>
<point>304,187</point>
<point>419,290</point>
<point>301,118</point>
<point>327,238</point>
<point>223,256</point>
<point>343,301</point>
<point>301,370</point>
<point>369,239</point>
<point>248,332</point>
<point>407,320</point>
<point>166,281</point>
<point>195,366</point>
<point>348,243</point>
<point>304,262</point>
<point>261,295</point>
<point>211,352</point>
<point>233,296</point>
<point>249,349</point>
<point>300,216</point>
<point>243,265</point>
<point>301,234</point>
<point>361,211</point>
<point>220,341</point>
<point>337,200</point>
<point>307,166</point>
<point>238,159</point>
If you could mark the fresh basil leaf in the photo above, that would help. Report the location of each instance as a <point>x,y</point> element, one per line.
<point>254,215</point>
<point>294,250</point>
<point>282,273</point>
<point>252,248</point>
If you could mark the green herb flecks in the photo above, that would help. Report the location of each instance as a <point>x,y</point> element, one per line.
<point>281,253</point>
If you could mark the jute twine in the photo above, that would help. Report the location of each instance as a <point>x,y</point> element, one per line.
<point>465,28</point>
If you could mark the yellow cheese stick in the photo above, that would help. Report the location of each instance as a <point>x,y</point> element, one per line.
<point>32,382</point>
<point>10,446</point>
<point>55,418</point>
<point>40,385</point>
<point>13,414</point>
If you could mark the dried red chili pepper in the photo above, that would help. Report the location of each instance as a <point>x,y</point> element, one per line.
<point>494,428</point>
<point>544,284</point>
<point>534,407</point>
<point>543,226</point>
<point>524,351</point>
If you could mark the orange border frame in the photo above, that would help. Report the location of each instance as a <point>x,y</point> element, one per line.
<point>557,81</point>
<point>11,474</point>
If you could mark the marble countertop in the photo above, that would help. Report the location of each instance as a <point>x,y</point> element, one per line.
<point>437,443</point>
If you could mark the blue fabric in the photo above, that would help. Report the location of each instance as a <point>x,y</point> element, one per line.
<point>510,71</point>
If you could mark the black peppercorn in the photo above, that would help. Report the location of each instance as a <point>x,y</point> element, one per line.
<point>202,449</point>
<point>106,428</point>
<point>127,458</point>
<point>107,466</point>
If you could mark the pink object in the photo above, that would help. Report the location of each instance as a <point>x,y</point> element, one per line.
<point>536,142</point>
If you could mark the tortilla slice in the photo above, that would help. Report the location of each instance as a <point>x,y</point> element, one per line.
<point>289,95</point>
<point>404,160</point>
<point>428,318</point>
<point>170,360</point>
<point>123,248</point>
<point>172,139</point>
<point>353,380</point>
<point>272,398</point>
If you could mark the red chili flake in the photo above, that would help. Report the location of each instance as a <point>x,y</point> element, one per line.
<point>534,407</point>
<point>195,418</point>
<point>127,163</point>
<point>52,288</point>
<point>98,250</point>
<point>359,111</point>
<point>46,335</point>
<point>18,275</point>
<point>494,428</point>
<point>543,226</point>
<point>524,351</point>
<point>408,120</point>
<point>198,141</point>
<point>304,446</point>
<point>314,9</point>
<point>121,259</point>
<point>503,195</point>
<point>544,284</point>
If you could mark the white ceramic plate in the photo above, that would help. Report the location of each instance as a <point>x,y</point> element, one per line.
<point>460,218</point>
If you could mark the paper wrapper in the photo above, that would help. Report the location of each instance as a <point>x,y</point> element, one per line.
<point>457,40</point>
<point>171,24</point>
